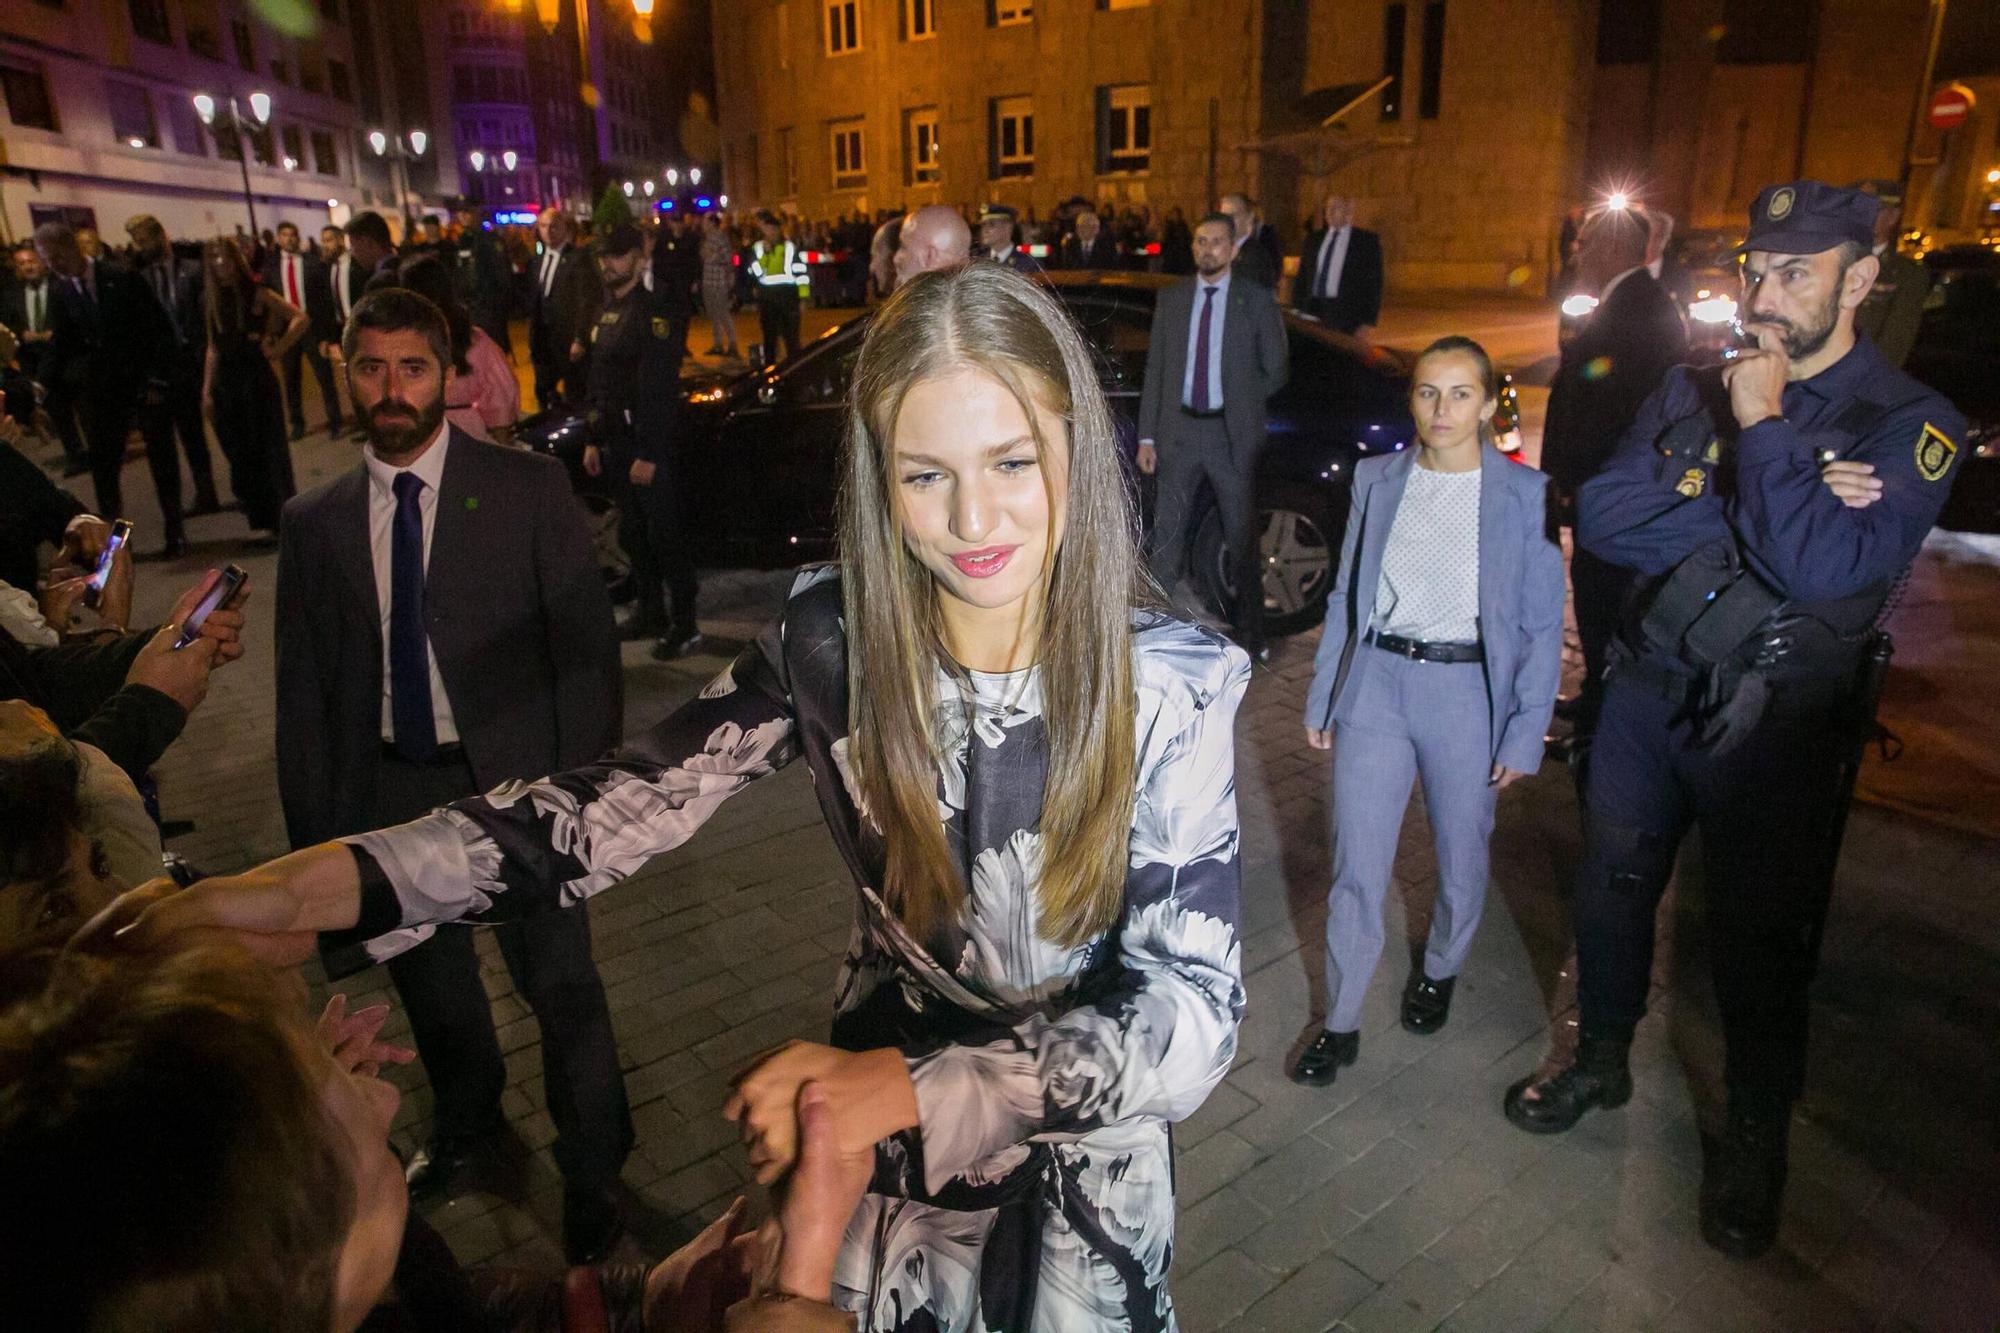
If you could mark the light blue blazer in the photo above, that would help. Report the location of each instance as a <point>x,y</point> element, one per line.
<point>1520,599</point>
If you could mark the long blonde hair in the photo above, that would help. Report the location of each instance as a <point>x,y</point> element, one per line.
<point>989,318</point>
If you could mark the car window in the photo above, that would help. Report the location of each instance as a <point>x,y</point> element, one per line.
<point>822,375</point>
<point>1964,307</point>
<point>1118,332</point>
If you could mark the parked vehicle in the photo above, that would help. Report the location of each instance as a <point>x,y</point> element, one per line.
<point>1957,352</point>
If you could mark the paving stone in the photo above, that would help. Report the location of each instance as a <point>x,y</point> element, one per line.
<point>1311,1299</point>
<point>1215,1224</point>
<point>1418,1298</point>
<point>1213,1293</point>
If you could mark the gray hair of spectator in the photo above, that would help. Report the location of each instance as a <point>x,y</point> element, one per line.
<point>392,310</point>
<point>53,234</point>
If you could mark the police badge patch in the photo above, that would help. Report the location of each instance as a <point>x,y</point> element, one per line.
<point>1934,453</point>
<point>1691,483</point>
<point>1712,454</point>
<point>661,326</point>
<point>1781,204</point>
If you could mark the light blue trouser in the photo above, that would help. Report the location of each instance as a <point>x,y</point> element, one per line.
<point>1424,720</point>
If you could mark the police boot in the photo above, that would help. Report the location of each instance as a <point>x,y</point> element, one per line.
<point>1599,1076</point>
<point>1743,1182</point>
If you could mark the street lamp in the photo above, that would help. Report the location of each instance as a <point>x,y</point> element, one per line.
<point>649,189</point>
<point>227,122</point>
<point>694,175</point>
<point>673,178</point>
<point>628,189</point>
<point>401,151</point>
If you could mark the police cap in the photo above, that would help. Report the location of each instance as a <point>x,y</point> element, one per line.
<point>998,213</point>
<point>620,238</point>
<point>1808,217</point>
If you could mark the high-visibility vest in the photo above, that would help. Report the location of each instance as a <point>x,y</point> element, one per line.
<point>780,265</point>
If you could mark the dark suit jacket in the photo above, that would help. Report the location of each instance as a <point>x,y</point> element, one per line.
<point>189,312</point>
<point>1359,300</point>
<point>576,296</point>
<point>315,290</point>
<point>1103,254</point>
<point>1255,364</point>
<point>518,617</point>
<point>1619,355</point>
<point>1259,260</point>
<point>333,326</point>
<point>116,346</point>
<point>14,314</point>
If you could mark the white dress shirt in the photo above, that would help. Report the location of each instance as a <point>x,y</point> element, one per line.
<point>341,267</point>
<point>429,468</point>
<point>1332,259</point>
<point>1201,286</point>
<point>550,260</point>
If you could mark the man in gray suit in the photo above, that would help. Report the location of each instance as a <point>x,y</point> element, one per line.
<point>443,629</point>
<point>1217,352</point>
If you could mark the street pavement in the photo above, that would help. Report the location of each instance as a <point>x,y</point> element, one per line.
<point>1399,1198</point>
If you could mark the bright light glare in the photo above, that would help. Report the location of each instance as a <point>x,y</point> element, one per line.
<point>378,141</point>
<point>724,201</point>
<point>204,106</point>
<point>1576,307</point>
<point>649,189</point>
<point>673,177</point>
<point>1618,202</point>
<point>509,158</point>
<point>1713,310</point>
<point>417,141</point>
<point>694,175</point>
<point>478,160</point>
<point>260,107</point>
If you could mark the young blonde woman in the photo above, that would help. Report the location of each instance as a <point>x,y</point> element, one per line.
<point>1029,772</point>
<point>1438,663</point>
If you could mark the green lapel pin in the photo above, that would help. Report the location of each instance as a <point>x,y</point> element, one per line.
<point>472,502</point>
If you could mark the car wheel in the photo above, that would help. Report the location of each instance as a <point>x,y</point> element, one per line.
<point>600,517</point>
<point>1300,538</point>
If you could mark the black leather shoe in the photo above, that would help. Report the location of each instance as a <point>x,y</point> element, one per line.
<point>678,642</point>
<point>1426,1003</point>
<point>1325,1056</point>
<point>593,1221</point>
<point>1743,1182</point>
<point>1598,1077</point>
<point>433,1169</point>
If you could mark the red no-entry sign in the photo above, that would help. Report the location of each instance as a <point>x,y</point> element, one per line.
<point>1950,105</point>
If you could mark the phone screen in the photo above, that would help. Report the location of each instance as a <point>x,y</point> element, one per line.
<point>225,588</point>
<point>94,585</point>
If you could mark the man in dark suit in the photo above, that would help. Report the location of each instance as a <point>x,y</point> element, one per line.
<point>675,274</point>
<point>443,629</point>
<point>482,277</point>
<point>296,274</point>
<point>372,250</point>
<point>113,349</point>
<point>1217,352</point>
<point>1619,355</point>
<point>562,305</point>
<point>1254,252</point>
<point>1090,246</point>
<point>27,306</point>
<point>1340,272</point>
<point>176,283</point>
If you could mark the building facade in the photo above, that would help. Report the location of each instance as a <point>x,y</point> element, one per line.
<point>1465,129</point>
<point>100,123</point>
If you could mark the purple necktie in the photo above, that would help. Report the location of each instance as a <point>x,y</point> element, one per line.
<point>409,642</point>
<point>1200,403</point>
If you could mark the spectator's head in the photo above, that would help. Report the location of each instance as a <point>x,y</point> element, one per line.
<point>429,277</point>
<point>1088,224</point>
<point>1454,392</point>
<point>1242,214</point>
<point>53,878</point>
<point>398,352</point>
<point>555,228</point>
<point>771,227</point>
<point>28,265</point>
<point>996,228</point>
<point>1214,244</point>
<point>149,239</point>
<point>1612,241</point>
<point>982,484</point>
<point>368,238</point>
<point>288,237</point>
<point>933,237</point>
<point>56,242</point>
<point>882,254</point>
<point>227,285</point>
<point>1337,210</point>
<point>180,1153</point>
<point>1889,221</point>
<point>332,241</point>
<point>621,254</point>
<point>89,242</point>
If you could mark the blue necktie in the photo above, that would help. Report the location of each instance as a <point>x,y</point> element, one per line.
<point>409,645</point>
<point>1201,403</point>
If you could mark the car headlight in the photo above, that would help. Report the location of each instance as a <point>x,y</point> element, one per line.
<point>1576,307</point>
<point>714,394</point>
<point>1713,309</point>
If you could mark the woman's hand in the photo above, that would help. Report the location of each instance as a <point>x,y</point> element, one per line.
<point>351,1038</point>
<point>868,1095</point>
<point>276,911</point>
<point>1318,739</point>
<point>1504,777</point>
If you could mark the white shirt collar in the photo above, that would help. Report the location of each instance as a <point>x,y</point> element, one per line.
<point>1221,284</point>
<point>429,466</point>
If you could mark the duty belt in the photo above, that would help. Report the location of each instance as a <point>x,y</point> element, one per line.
<point>1418,651</point>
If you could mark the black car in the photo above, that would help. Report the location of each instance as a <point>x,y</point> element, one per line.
<point>1957,352</point>
<point>765,446</point>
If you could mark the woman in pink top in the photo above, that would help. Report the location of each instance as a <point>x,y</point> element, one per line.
<point>483,398</point>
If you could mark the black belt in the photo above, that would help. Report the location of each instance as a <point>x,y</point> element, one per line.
<point>446,755</point>
<point>1418,651</point>
<point>1187,411</point>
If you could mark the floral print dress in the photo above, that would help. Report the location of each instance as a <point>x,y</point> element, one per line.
<point>1037,1192</point>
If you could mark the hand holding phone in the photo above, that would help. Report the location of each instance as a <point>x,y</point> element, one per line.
<point>93,592</point>
<point>226,585</point>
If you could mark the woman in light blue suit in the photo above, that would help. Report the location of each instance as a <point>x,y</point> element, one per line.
<point>1439,662</point>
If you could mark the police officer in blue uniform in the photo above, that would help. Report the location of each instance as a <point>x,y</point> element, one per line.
<point>1769,505</point>
<point>996,239</point>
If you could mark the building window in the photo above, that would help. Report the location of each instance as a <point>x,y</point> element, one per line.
<point>1001,13</point>
<point>919,19</point>
<point>1430,71</point>
<point>149,20</point>
<point>1011,137</point>
<point>843,26</point>
<point>28,104</point>
<point>131,115</point>
<point>788,161</point>
<point>1124,128</point>
<point>337,84</point>
<point>1395,22</point>
<point>246,50</point>
<point>920,146</point>
<point>201,39</point>
<point>850,169</point>
<point>325,161</point>
<point>1772,32</point>
<point>263,146</point>
<point>295,148</point>
<point>311,80</point>
<point>186,125</point>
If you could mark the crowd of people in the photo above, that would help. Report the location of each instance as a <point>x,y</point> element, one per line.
<point>1023,750</point>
